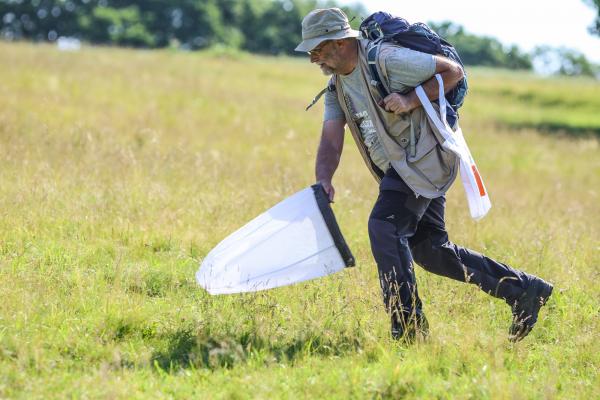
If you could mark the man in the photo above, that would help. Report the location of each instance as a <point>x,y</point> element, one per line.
<point>400,148</point>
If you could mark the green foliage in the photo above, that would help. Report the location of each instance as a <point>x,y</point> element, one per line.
<point>489,52</point>
<point>263,26</point>
<point>485,51</point>
<point>124,26</point>
<point>563,61</point>
<point>595,27</point>
<point>257,26</point>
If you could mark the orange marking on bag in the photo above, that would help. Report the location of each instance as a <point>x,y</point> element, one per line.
<point>478,179</point>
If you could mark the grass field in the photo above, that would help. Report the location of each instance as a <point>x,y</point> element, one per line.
<point>121,169</point>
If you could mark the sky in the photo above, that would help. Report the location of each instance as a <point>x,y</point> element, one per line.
<point>526,23</point>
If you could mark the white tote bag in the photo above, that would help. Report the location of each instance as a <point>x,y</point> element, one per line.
<point>477,195</point>
<point>296,240</point>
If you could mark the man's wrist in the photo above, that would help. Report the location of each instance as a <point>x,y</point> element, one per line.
<point>413,100</point>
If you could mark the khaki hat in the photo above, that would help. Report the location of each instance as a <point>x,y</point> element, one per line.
<point>324,24</point>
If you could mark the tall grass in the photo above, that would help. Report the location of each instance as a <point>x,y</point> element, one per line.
<point>567,106</point>
<point>121,169</point>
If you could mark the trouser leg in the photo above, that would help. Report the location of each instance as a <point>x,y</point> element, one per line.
<point>432,249</point>
<point>392,222</point>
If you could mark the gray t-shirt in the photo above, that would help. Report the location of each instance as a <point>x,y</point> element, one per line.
<point>406,69</point>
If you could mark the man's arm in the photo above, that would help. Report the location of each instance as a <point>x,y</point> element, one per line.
<point>329,153</point>
<point>451,73</point>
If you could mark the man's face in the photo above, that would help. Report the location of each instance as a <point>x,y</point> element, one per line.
<point>326,55</point>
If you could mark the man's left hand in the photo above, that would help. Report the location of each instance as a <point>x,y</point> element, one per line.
<point>397,103</point>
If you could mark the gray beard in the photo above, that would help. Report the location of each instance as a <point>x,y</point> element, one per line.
<point>326,70</point>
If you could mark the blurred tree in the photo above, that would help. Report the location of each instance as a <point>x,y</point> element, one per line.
<point>41,19</point>
<point>260,26</point>
<point>595,27</point>
<point>516,59</point>
<point>264,26</point>
<point>122,26</point>
<point>563,61</point>
<point>481,50</point>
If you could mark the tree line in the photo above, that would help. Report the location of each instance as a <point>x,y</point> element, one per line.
<point>258,26</point>
<point>595,27</point>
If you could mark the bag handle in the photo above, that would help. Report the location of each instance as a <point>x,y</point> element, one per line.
<point>477,197</point>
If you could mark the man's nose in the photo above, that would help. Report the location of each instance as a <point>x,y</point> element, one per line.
<point>314,58</point>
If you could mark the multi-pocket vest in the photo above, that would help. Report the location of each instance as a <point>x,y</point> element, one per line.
<point>411,142</point>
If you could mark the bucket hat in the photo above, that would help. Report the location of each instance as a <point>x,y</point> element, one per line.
<point>324,24</point>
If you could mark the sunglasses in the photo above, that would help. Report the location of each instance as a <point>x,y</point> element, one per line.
<point>317,50</point>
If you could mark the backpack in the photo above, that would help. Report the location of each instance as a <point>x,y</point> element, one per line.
<point>382,27</point>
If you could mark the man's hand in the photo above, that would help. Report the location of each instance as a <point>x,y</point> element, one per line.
<point>451,74</point>
<point>328,189</point>
<point>398,103</point>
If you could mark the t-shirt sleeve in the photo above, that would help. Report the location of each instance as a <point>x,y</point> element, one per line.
<point>408,68</point>
<point>333,110</point>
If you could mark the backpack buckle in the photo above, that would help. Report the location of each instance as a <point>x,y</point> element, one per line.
<point>372,31</point>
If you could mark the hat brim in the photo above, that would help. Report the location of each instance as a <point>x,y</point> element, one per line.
<point>309,44</point>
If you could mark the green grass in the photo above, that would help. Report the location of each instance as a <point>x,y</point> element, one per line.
<point>121,169</point>
<point>521,100</point>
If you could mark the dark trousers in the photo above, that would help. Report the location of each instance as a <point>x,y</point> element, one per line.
<point>404,227</point>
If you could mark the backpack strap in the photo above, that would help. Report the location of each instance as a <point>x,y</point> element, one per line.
<point>374,68</point>
<point>380,77</point>
<point>329,88</point>
<point>378,71</point>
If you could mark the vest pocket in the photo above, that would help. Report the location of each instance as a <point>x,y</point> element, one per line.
<point>399,131</point>
<point>433,163</point>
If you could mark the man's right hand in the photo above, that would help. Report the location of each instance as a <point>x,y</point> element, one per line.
<point>328,189</point>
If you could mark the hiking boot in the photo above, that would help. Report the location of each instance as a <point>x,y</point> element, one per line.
<point>407,327</point>
<point>526,308</point>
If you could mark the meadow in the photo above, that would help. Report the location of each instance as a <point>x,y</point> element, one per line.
<point>121,169</point>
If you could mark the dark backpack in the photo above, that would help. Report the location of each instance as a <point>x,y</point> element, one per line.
<point>382,27</point>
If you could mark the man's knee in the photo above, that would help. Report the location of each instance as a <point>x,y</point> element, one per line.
<point>427,242</point>
<point>439,257</point>
<point>424,251</point>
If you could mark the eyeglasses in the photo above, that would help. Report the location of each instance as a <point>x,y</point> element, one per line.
<point>317,50</point>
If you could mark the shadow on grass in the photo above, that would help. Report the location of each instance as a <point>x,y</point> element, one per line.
<point>555,128</point>
<point>186,349</point>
